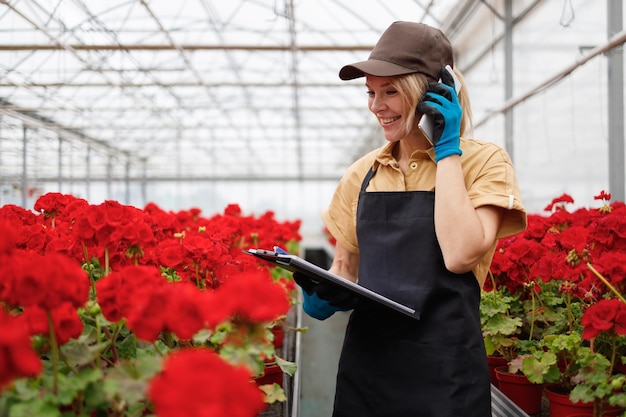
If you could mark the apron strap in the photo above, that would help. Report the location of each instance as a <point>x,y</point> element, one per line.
<point>367,178</point>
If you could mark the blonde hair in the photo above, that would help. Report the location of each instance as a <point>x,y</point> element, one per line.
<point>412,87</point>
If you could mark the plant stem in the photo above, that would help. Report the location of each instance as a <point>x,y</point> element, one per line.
<point>116,333</point>
<point>570,315</point>
<point>532,313</point>
<point>606,282</point>
<point>493,286</point>
<point>55,354</point>
<point>98,340</point>
<point>613,354</point>
<point>159,351</point>
<point>106,260</point>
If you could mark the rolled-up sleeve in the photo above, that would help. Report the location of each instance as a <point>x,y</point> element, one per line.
<point>494,183</point>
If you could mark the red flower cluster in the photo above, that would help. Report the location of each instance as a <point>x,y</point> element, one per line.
<point>146,300</point>
<point>39,285</point>
<point>156,271</point>
<point>189,386</point>
<point>559,247</point>
<point>608,315</point>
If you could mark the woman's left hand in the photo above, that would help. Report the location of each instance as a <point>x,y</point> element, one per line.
<point>442,105</point>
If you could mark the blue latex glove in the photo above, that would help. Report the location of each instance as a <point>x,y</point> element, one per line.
<point>442,104</point>
<point>322,299</point>
<point>317,308</point>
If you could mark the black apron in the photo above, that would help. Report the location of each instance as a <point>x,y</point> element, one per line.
<point>395,366</point>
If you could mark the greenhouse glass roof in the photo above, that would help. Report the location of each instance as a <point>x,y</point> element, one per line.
<point>199,88</point>
<point>236,92</point>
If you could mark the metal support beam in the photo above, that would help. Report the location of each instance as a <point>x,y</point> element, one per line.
<point>127,182</point>
<point>143,182</point>
<point>615,41</point>
<point>186,47</point>
<point>60,164</point>
<point>87,178</point>
<point>24,166</point>
<point>615,95</point>
<point>109,177</point>
<point>509,142</point>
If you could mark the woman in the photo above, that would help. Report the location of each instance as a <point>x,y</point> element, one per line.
<point>417,223</point>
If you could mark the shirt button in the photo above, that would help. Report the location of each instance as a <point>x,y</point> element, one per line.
<point>413,165</point>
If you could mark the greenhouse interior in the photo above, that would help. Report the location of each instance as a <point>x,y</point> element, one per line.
<point>231,117</point>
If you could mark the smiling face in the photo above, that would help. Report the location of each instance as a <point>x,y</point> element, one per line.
<point>386,103</point>
<point>394,106</point>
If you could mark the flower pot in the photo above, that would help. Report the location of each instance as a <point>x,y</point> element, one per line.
<point>562,406</point>
<point>620,368</point>
<point>272,375</point>
<point>520,390</point>
<point>494,362</point>
<point>279,335</point>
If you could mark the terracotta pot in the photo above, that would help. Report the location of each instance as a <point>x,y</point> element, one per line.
<point>562,406</point>
<point>279,335</point>
<point>620,368</point>
<point>520,390</point>
<point>494,362</point>
<point>272,375</point>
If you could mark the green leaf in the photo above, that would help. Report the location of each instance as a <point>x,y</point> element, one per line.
<point>541,368</point>
<point>72,387</point>
<point>128,380</point>
<point>563,342</point>
<point>490,347</point>
<point>95,397</point>
<point>273,393</point>
<point>618,400</point>
<point>287,367</point>
<point>126,345</point>
<point>504,325</point>
<point>582,393</point>
<point>38,407</point>
<point>80,352</point>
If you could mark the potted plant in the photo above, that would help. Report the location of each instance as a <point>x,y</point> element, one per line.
<point>500,326</point>
<point>580,375</point>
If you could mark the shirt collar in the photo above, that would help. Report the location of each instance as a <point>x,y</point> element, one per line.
<point>385,155</point>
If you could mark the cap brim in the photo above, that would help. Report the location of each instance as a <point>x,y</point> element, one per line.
<point>373,67</point>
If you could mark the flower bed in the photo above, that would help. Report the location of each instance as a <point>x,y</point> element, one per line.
<point>112,310</point>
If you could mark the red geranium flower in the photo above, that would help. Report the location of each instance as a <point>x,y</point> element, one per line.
<point>65,321</point>
<point>8,237</point>
<point>254,296</point>
<point>189,304</point>
<point>45,281</point>
<point>17,357</point>
<point>218,388</point>
<point>565,198</point>
<point>607,315</point>
<point>120,290</point>
<point>603,196</point>
<point>232,210</point>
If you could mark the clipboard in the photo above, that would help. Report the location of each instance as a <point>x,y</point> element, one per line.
<point>294,263</point>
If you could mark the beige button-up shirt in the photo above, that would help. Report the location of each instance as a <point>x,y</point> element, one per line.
<point>489,178</point>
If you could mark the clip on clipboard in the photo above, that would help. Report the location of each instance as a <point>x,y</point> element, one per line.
<point>294,263</point>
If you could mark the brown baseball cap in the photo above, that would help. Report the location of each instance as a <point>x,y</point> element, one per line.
<point>404,48</point>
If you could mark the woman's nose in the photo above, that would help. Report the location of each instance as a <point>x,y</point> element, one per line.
<point>376,104</point>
